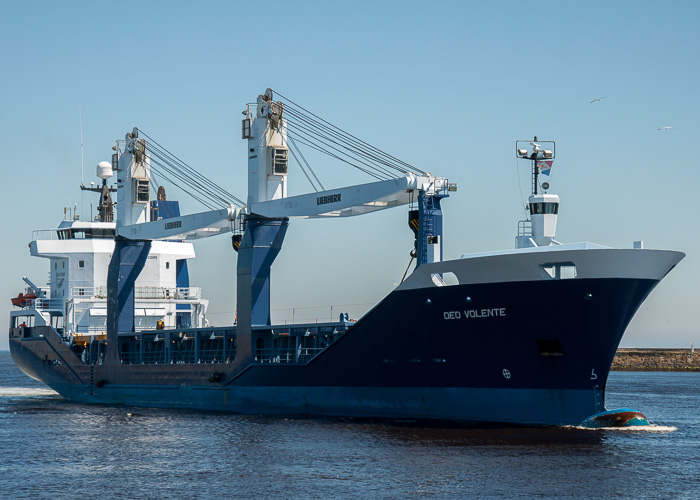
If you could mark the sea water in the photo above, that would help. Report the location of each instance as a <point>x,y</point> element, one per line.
<point>50,448</point>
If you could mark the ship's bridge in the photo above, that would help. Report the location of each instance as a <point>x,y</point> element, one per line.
<point>544,204</point>
<point>73,230</point>
<point>85,230</point>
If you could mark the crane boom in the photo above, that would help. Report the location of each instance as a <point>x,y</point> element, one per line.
<point>184,227</point>
<point>350,200</point>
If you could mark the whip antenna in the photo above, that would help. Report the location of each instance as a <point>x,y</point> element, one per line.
<point>82,161</point>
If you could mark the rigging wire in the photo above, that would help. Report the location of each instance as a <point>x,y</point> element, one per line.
<point>167,171</point>
<point>342,141</point>
<point>199,180</point>
<point>352,137</point>
<point>185,166</point>
<point>202,190</point>
<point>165,206</point>
<point>330,126</point>
<point>377,173</point>
<point>329,142</point>
<point>303,170</point>
<point>349,143</point>
<point>168,176</point>
<point>520,186</point>
<point>332,155</point>
<point>351,153</point>
<point>413,256</point>
<point>193,176</point>
<point>293,143</point>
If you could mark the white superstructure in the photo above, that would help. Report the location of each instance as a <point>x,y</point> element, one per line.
<point>74,297</point>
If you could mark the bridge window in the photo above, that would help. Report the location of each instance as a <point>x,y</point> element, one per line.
<point>85,233</point>
<point>99,233</point>
<point>544,208</point>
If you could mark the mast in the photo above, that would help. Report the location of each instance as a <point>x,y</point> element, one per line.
<point>105,210</point>
<point>536,151</point>
<point>540,227</point>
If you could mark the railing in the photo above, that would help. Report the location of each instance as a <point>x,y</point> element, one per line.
<point>141,293</point>
<point>187,346</point>
<point>90,330</point>
<point>146,292</point>
<point>525,228</point>
<point>286,355</point>
<point>44,234</point>
<point>524,237</point>
<point>251,110</point>
<point>39,303</point>
<point>101,330</point>
<point>271,345</point>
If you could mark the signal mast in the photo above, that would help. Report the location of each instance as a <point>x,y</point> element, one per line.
<point>540,229</point>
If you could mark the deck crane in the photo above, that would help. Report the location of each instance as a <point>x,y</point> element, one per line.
<point>264,219</point>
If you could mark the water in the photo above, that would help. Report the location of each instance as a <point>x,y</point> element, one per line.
<point>52,448</point>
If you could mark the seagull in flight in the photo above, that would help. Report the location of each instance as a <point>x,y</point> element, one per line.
<point>667,128</point>
<point>598,99</point>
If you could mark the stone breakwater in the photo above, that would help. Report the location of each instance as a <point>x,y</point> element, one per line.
<point>673,360</point>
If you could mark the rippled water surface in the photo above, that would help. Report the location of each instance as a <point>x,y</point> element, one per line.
<point>52,448</point>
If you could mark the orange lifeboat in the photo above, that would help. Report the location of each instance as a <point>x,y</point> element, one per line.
<point>23,300</point>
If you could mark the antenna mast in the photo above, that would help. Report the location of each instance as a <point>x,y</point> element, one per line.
<point>539,153</point>
<point>82,161</point>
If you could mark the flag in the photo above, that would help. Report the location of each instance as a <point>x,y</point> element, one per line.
<point>545,166</point>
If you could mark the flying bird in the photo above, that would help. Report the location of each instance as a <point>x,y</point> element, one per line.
<point>666,128</point>
<point>598,99</point>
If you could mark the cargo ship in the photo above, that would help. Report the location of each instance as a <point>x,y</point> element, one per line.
<point>461,340</point>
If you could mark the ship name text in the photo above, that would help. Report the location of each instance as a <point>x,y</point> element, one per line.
<point>475,313</point>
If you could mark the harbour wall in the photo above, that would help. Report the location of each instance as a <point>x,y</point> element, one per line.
<point>635,359</point>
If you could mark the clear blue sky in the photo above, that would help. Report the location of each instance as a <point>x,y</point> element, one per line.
<point>446,86</point>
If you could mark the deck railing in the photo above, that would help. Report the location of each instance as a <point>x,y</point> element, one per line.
<point>218,345</point>
<point>141,292</point>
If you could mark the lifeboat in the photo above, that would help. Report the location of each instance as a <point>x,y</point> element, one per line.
<point>23,300</point>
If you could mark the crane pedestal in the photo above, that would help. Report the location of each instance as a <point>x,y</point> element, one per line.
<point>261,243</point>
<point>127,262</point>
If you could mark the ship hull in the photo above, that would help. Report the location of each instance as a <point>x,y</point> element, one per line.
<point>478,352</point>
<point>183,388</point>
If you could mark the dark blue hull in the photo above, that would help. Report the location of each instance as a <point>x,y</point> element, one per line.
<point>525,352</point>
